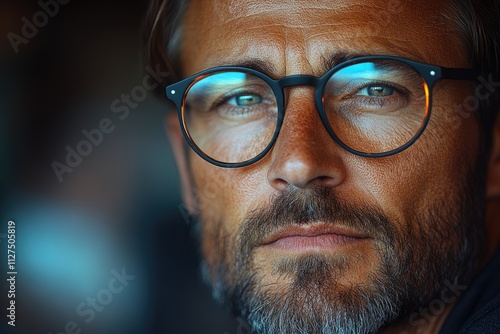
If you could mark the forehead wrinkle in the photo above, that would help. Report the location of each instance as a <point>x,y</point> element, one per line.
<point>288,21</point>
<point>292,14</point>
<point>294,56</point>
<point>273,8</point>
<point>373,45</point>
<point>294,26</point>
<point>243,35</point>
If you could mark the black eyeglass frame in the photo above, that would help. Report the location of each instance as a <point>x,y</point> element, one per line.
<point>430,74</point>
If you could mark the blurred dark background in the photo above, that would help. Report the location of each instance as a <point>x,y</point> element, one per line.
<point>117,211</point>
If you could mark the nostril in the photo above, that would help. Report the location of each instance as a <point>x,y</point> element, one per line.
<point>279,184</point>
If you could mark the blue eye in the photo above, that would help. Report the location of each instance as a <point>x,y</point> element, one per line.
<point>377,91</point>
<point>245,100</point>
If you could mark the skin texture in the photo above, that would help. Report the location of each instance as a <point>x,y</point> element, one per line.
<point>295,37</point>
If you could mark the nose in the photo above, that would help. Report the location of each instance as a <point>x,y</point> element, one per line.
<point>304,154</point>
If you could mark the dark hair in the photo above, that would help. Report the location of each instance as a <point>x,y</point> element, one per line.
<point>161,30</point>
<point>477,22</point>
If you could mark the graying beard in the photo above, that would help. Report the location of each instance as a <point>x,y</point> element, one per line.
<point>362,309</point>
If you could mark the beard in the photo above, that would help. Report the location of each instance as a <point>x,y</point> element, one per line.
<point>414,260</point>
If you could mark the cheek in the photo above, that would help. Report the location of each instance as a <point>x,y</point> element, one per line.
<point>224,198</point>
<point>226,195</point>
<point>428,174</point>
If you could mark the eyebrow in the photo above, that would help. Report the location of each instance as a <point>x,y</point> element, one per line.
<point>338,57</point>
<point>263,66</point>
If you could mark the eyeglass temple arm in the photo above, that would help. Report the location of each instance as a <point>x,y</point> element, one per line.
<point>462,73</point>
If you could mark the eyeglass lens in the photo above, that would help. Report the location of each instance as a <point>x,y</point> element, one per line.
<point>371,106</point>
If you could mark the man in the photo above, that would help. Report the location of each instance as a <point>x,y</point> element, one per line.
<point>339,156</point>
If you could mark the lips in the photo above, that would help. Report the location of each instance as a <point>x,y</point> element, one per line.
<point>313,237</point>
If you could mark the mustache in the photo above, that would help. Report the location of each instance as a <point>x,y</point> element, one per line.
<point>299,207</point>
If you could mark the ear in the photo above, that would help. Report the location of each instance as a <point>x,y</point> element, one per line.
<point>493,185</point>
<point>178,143</point>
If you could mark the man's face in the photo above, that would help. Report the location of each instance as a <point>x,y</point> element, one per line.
<point>312,237</point>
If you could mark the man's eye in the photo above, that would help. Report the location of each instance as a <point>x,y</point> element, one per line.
<point>376,91</point>
<point>245,100</point>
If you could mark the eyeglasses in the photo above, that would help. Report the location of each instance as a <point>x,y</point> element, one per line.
<point>372,106</point>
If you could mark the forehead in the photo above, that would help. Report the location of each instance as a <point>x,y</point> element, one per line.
<point>297,36</point>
